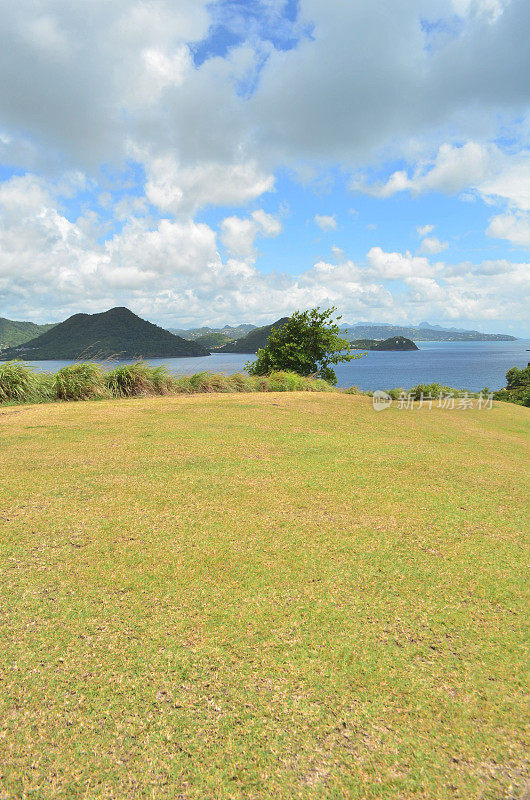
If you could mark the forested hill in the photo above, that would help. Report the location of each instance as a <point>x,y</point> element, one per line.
<point>116,332</point>
<point>13,333</point>
<point>253,340</point>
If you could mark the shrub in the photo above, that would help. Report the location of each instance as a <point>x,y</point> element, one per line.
<point>430,389</point>
<point>518,387</point>
<point>293,382</point>
<point>80,382</point>
<point>285,381</point>
<point>45,387</point>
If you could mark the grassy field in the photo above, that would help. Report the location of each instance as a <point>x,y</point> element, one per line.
<point>262,596</point>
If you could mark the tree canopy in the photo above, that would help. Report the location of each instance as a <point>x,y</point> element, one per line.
<point>308,343</point>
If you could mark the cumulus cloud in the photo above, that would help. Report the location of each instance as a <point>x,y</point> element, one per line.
<point>515,227</point>
<point>453,169</point>
<point>492,174</point>
<point>432,245</point>
<point>97,83</point>
<point>184,189</point>
<point>238,235</point>
<point>511,182</point>
<point>396,266</point>
<point>326,223</point>
<point>423,230</point>
<point>171,271</point>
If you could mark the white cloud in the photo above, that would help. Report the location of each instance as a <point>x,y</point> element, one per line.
<point>515,227</point>
<point>511,182</point>
<point>238,235</point>
<point>452,169</point>
<point>171,272</point>
<point>423,230</point>
<point>484,168</point>
<point>432,245</point>
<point>491,9</point>
<point>326,223</point>
<point>184,189</point>
<point>396,266</point>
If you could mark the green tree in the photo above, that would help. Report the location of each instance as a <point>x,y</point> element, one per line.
<point>307,344</point>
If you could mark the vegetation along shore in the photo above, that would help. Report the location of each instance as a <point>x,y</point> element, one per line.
<point>21,383</point>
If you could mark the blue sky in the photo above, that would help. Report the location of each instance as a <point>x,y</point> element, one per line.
<point>232,161</point>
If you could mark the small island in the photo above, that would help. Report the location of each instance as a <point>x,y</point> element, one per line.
<point>393,343</point>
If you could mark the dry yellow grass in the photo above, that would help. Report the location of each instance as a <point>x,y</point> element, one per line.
<point>254,596</point>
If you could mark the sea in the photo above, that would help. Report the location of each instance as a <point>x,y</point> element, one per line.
<point>461,365</point>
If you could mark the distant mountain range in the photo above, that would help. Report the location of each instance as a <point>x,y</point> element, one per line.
<point>120,332</point>
<point>252,341</point>
<point>229,331</point>
<point>117,332</point>
<point>355,330</point>
<point>420,333</point>
<point>13,333</point>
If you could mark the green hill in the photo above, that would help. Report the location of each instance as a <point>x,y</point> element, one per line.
<point>393,343</point>
<point>115,332</point>
<point>212,340</point>
<point>13,333</point>
<point>253,340</point>
<point>230,331</point>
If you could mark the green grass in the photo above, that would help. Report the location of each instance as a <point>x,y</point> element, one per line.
<point>278,595</point>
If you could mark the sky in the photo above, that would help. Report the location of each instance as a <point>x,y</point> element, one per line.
<point>237,160</point>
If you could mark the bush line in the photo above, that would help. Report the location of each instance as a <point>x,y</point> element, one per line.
<point>19,383</point>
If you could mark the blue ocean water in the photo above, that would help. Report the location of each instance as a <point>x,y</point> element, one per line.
<point>462,365</point>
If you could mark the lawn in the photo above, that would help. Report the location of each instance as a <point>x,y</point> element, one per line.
<point>280,595</point>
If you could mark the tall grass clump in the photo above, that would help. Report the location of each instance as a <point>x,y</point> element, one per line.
<point>241,383</point>
<point>209,382</point>
<point>161,379</point>
<point>18,382</point>
<point>182,385</point>
<point>133,380</point>
<point>318,385</point>
<point>84,381</point>
<point>284,381</point>
<point>128,380</point>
